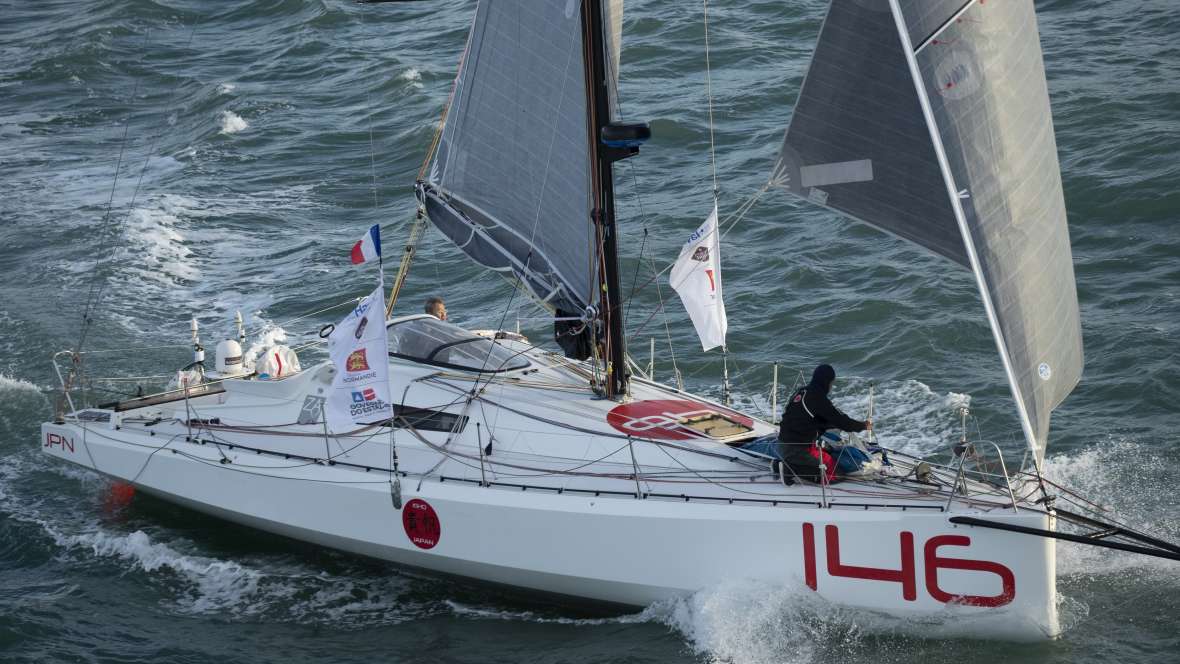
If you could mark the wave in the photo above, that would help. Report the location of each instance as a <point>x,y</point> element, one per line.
<point>1135,484</point>
<point>908,415</point>
<point>17,385</point>
<point>232,123</point>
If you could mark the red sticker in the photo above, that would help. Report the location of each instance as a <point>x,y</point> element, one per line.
<point>660,418</point>
<point>421,524</point>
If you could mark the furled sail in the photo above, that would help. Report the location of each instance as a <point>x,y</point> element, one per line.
<point>862,142</point>
<point>510,180</point>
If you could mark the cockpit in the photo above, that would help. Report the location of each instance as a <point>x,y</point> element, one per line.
<point>426,339</point>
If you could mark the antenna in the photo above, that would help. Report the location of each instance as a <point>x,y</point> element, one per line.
<point>241,328</point>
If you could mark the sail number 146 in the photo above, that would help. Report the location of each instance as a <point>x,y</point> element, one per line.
<point>907,576</point>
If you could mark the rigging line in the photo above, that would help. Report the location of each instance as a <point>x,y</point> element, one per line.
<point>709,94</point>
<point>540,472</point>
<point>635,278</point>
<point>250,332</point>
<point>604,434</point>
<point>655,277</point>
<point>99,288</point>
<point>105,227</point>
<point>372,148</point>
<point>732,220</point>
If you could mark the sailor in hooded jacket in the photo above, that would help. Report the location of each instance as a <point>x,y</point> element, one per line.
<point>808,415</point>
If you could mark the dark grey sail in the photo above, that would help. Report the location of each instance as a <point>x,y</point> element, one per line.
<point>861,143</point>
<point>985,79</point>
<point>510,181</point>
<point>858,142</point>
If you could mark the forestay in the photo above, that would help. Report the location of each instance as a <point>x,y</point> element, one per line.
<point>510,181</point>
<point>860,143</point>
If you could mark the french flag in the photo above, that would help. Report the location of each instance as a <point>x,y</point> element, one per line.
<point>368,248</point>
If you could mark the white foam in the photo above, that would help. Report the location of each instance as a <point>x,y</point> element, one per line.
<point>232,123</point>
<point>155,247</point>
<point>1136,484</point>
<point>907,415</point>
<point>169,257</point>
<point>412,76</point>
<point>226,88</point>
<point>215,584</point>
<point>17,384</point>
<point>483,613</point>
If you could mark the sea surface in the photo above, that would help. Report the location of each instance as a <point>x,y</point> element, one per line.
<point>238,149</point>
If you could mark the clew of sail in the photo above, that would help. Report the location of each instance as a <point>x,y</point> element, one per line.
<point>930,119</point>
<point>510,180</point>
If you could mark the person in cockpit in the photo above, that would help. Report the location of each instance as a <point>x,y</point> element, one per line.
<point>436,307</point>
<point>808,415</point>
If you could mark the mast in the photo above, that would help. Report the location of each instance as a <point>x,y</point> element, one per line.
<point>609,143</point>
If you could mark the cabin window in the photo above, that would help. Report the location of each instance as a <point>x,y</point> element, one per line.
<point>429,340</point>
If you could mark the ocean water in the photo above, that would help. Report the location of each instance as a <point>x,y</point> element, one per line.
<point>243,146</point>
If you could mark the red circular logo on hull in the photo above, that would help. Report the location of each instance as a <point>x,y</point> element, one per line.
<point>664,418</point>
<point>421,523</point>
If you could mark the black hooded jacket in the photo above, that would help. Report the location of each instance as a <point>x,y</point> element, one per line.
<point>809,413</point>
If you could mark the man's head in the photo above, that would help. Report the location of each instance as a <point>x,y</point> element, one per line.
<point>435,307</point>
<point>823,377</point>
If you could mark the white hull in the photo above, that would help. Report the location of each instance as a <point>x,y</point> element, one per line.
<point>610,547</point>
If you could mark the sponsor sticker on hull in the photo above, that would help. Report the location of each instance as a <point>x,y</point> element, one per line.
<point>421,523</point>
<point>985,573</point>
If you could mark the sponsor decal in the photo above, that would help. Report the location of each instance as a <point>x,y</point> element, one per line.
<point>313,407</point>
<point>357,361</point>
<point>660,418</point>
<point>421,523</point>
<point>906,576</point>
<point>53,440</point>
<point>359,378</point>
<point>365,402</point>
<point>237,359</point>
<point>360,328</point>
<point>701,254</point>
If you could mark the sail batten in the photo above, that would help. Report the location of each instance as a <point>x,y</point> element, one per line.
<point>962,85</point>
<point>925,19</point>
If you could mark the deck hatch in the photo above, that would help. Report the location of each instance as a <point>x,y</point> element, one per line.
<point>715,425</point>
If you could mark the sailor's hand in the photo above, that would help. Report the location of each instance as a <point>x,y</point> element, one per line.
<point>868,425</point>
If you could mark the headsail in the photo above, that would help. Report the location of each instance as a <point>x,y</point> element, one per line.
<point>863,142</point>
<point>858,143</point>
<point>510,181</point>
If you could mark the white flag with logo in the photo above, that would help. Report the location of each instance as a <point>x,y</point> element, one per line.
<point>696,277</point>
<point>359,351</point>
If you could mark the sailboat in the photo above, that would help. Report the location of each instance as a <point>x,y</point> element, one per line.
<point>570,474</point>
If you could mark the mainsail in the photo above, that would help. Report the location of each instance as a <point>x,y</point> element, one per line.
<point>930,120</point>
<point>510,181</point>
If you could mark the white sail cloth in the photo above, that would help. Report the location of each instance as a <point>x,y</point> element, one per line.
<point>358,348</point>
<point>696,278</point>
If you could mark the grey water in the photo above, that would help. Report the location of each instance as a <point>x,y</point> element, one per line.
<point>242,147</point>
